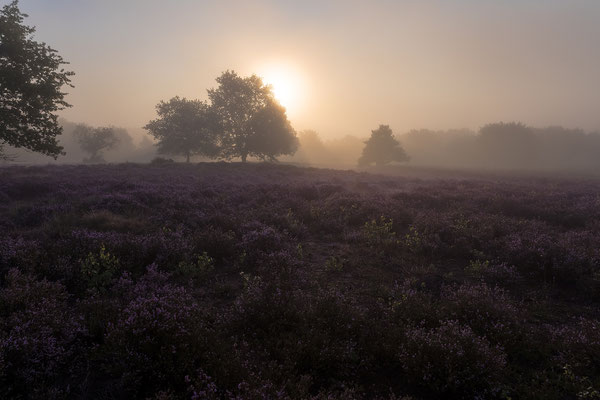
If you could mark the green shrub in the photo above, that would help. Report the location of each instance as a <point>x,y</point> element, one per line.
<point>98,270</point>
<point>199,267</point>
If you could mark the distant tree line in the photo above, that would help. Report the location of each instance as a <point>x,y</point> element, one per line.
<point>91,145</point>
<point>242,119</point>
<point>502,145</point>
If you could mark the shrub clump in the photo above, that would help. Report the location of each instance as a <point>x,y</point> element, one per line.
<point>452,361</point>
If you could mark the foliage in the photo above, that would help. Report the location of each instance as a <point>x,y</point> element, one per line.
<point>185,127</point>
<point>382,148</point>
<point>31,79</point>
<point>334,264</point>
<point>272,134</point>
<point>98,270</point>
<point>272,281</point>
<point>95,140</point>
<point>200,266</point>
<point>475,367</point>
<point>40,339</point>
<point>380,232</point>
<point>252,122</point>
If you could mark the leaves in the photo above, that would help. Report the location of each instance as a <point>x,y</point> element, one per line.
<point>382,148</point>
<point>185,127</point>
<point>95,140</point>
<point>31,81</point>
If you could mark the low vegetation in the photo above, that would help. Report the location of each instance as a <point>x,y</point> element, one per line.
<point>172,281</point>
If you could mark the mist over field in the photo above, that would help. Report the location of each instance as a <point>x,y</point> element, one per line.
<point>496,147</point>
<point>341,200</point>
<point>343,68</point>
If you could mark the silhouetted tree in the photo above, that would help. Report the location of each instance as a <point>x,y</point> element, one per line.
<point>252,123</point>
<point>31,79</point>
<point>382,148</point>
<point>272,134</point>
<point>185,127</point>
<point>95,140</point>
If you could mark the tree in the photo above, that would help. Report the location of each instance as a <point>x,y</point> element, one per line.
<point>31,79</point>
<point>185,127</point>
<point>272,134</point>
<point>251,121</point>
<point>95,140</point>
<point>382,148</point>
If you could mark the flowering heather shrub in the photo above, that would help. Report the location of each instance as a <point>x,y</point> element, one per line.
<point>488,311</point>
<point>221,245</point>
<point>410,304</point>
<point>579,345</point>
<point>452,361</point>
<point>259,242</point>
<point>15,250</point>
<point>40,337</point>
<point>160,333</point>
<point>270,281</point>
<point>259,237</point>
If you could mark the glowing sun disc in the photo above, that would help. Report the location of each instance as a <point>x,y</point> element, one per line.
<point>287,85</point>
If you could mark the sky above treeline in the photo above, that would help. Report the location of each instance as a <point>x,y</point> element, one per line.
<point>340,67</point>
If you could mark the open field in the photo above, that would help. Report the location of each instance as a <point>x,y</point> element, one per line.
<point>271,281</point>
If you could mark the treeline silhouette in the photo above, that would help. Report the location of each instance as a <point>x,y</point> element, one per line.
<point>77,150</point>
<point>504,146</point>
<point>497,146</point>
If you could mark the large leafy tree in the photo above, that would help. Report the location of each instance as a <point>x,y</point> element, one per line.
<point>185,127</point>
<point>382,148</point>
<point>272,134</point>
<point>95,141</point>
<point>251,121</point>
<point>31,79</point>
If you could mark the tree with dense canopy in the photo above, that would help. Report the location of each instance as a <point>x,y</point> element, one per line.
<point>185,127</point>
<point>251,121</point>
<point>382,148</point>
<point>272,134</point>
<point>95,140</point>
<point>31,79</point>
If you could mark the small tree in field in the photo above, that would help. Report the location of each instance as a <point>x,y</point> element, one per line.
<point>185,127</point>
<point>382,148</point>
<point>95,141</point>
<point>31,79</point>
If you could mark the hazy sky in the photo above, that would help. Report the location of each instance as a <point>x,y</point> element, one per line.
<point>349,65</point>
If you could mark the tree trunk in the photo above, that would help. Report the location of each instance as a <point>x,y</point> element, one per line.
<point>187,155</point>
<point>244,156</point>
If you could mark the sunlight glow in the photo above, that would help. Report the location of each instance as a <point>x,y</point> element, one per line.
<point>288,85</point>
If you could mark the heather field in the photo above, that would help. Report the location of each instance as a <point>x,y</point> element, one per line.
<point>265,281</point>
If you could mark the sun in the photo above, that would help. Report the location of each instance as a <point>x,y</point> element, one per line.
<point>287,84</point>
